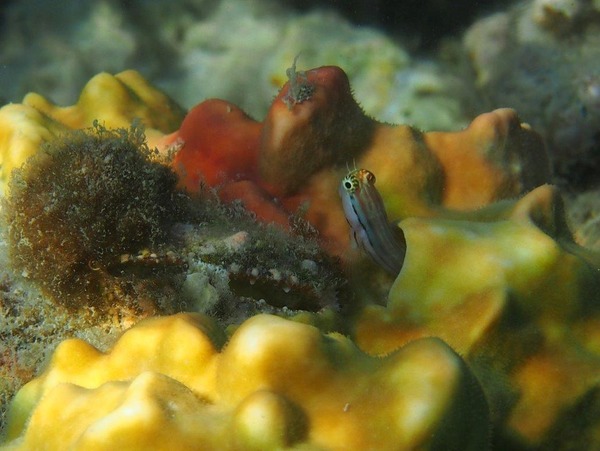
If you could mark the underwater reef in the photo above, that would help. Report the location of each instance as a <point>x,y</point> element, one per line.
<point>398,248</point>
<point>485,335</point>
<point>537,56</point>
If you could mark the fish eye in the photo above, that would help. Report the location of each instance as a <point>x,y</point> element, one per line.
<point>350,183</point>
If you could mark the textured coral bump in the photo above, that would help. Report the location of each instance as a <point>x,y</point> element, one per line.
<point>313,123</point>
<point>315,130</point>
<point>277,384</point>
<point>219,144</point>
<point>305,133</point>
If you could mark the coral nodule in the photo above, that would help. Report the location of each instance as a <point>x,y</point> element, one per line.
<point>172,383</point>
<point>80,203</point>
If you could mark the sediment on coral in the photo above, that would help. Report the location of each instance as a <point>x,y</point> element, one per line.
<point>286,271</point>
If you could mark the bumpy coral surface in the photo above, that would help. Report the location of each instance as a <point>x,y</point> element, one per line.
<point>305,145</point>
<point>172,382</point>
<point>503,284</point>
<point>520,302</point>
<point>115,101</point>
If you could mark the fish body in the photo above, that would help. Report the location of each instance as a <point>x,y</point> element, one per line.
<point>365,213</point>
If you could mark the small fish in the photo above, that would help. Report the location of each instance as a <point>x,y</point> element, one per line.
<point>367,218</point>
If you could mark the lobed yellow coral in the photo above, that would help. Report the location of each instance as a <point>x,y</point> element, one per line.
<point>171,383</point>
<point>115,101</point>
<point>22,130</point>
<point>506,286</point>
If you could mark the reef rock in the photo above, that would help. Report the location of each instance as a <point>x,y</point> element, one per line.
<point>540,57</point>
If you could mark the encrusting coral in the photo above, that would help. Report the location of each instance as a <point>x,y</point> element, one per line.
<point>303,148</point>
<point>114,101</point>
<point>172,382</point>
<point>546,275</point>
<point>521,303</point>
<point>490,267</point>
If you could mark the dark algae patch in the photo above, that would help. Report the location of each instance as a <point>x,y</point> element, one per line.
<point>85,200</point>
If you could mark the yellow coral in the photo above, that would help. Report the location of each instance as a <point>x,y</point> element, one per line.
<point>22,130</point>
<point>113,100</point>
<point>505,285</point>
<point>167,384</point>
<point>523,254</point>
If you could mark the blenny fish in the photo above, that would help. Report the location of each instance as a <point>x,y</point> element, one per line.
<point>368,221</point>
